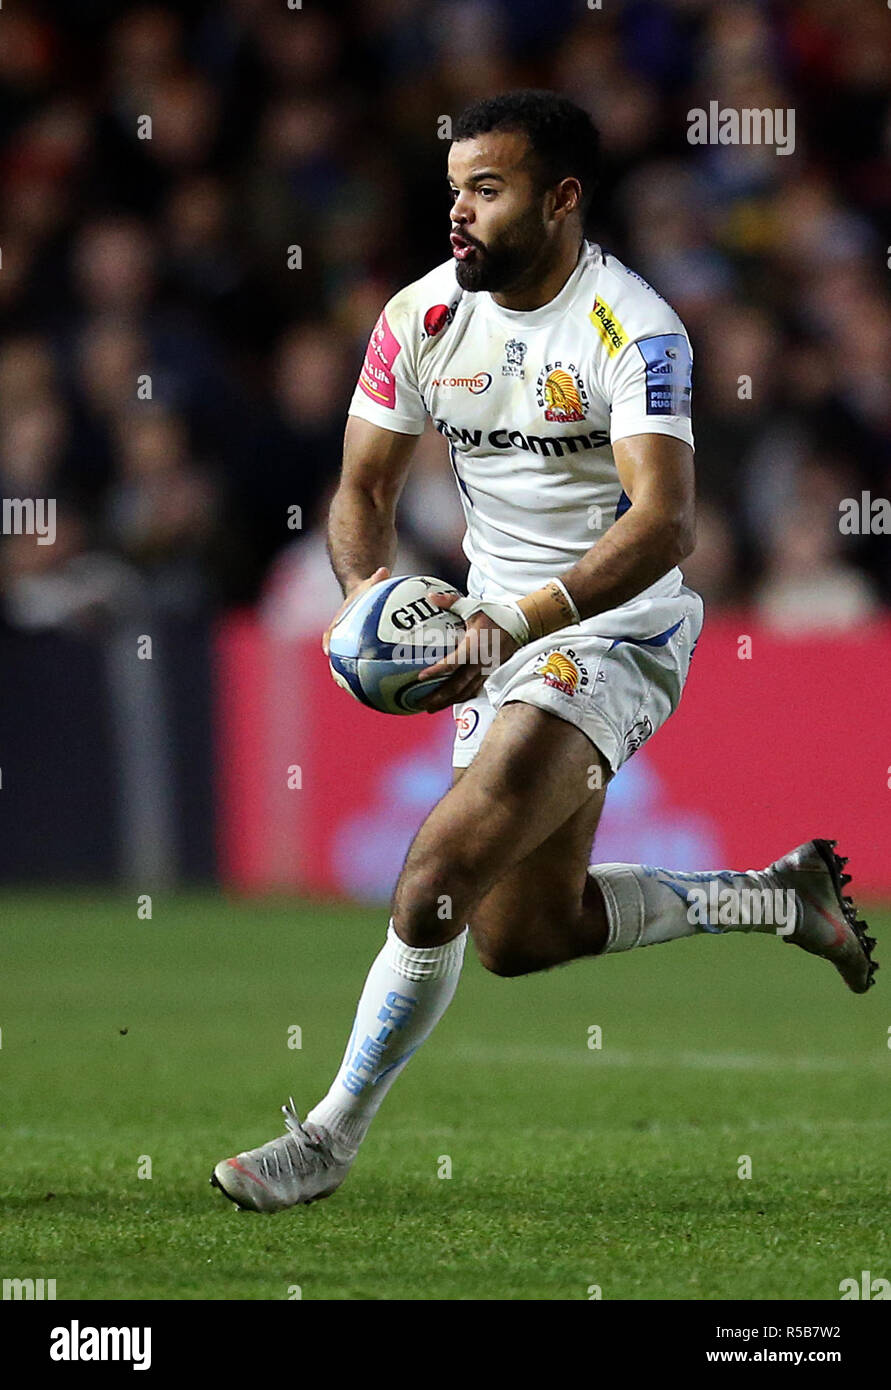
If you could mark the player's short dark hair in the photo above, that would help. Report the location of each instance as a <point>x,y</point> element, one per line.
<point>562,136</point>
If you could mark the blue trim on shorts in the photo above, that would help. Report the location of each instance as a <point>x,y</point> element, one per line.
<point>660,640</point>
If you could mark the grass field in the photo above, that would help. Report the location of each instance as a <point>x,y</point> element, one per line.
<point>571,1167</point>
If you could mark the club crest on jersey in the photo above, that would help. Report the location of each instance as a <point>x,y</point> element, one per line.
<point>514,352</point>
<point>563,671</point>
<point>560,392</point>
<point>612,334</point>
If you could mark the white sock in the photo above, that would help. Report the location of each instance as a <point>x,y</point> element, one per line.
<point>645,905</point>
<point>407,991</point>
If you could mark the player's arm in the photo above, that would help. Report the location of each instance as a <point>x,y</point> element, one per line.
<point>651,537</point>
<point>654,534</point>
<point>362,518</point>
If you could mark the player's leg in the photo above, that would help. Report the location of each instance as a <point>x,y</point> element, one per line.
<point>554,907</point>
<point>531,777</point>
<point>619,691</point>
<point>546,910</point>
<point>799,898</point>
<point>480,854</point>
<point>525,810</point>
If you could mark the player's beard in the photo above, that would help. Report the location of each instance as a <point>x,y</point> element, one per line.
<point>505,263</point>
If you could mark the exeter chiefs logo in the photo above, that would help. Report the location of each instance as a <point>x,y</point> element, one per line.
<point>563,671</point>
<point>560,393</point>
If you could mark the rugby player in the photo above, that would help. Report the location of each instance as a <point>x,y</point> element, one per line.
<point>561,381</point>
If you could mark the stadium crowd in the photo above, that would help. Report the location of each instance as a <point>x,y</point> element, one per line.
<point>175,371</point>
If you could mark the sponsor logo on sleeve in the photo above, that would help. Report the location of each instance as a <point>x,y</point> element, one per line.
<point>611,332</point>
<point>376,377</point>
<point>669,369</point>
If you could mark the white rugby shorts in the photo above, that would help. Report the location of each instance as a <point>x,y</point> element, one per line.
<point>617,688</point>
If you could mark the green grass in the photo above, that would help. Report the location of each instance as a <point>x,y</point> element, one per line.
<point>570,1167</point>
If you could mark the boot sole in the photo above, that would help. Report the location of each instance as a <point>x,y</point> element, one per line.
<point>836,866</point>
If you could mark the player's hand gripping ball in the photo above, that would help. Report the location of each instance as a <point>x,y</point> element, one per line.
<point>389,633</point>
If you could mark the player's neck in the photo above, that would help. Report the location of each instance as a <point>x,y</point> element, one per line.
<point>539,291</point>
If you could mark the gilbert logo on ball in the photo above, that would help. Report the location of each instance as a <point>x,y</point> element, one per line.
<point>386,636</point>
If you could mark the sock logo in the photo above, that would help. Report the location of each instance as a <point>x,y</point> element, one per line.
<point>393,1015</point>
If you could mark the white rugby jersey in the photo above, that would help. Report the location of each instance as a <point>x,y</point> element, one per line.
<point>531,402</point>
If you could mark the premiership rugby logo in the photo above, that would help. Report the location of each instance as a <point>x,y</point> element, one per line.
<point>563,671</point>
<point>560,393</point>
<point>612,334</point>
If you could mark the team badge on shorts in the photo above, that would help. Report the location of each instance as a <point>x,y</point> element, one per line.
<point>561,393</point>
<point>637,734</point>
<point>564,672</point>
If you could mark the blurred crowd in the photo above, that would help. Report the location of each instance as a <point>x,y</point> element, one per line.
<point>184,315</point>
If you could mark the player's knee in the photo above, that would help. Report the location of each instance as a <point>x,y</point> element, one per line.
<point>432,893</point>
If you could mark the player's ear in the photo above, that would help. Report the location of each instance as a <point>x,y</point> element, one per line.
<point>568,197</point>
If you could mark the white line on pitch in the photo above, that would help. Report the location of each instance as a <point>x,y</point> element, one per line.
<point>695,1061</point>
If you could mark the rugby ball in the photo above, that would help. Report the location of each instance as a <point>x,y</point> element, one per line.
<point>386,636</point>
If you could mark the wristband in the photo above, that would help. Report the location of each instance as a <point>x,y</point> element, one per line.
<point>548,609</point>
<point>576,615</point>
<point>507,614</point>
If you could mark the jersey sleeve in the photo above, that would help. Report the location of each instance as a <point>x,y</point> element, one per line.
<point>387,391</point>
<point>648,378</point>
